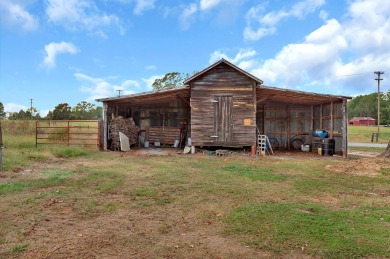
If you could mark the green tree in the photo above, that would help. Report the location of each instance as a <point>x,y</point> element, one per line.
<point>170,80</point>
<point>83,111</point>
<point>2,111</point>
<point>61,112</point>
<point>24,115</point>
<point>98,113</point>
<point>367,106</point>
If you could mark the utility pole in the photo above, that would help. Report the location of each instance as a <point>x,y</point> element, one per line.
<point>379,73</point>
<point>119,92</point>
<point>31,102</point>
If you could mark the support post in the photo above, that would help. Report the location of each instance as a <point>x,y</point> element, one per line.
<point>345,129</point>
<point>331,120</point>
<point>321,117</point>
<point>105,126</point>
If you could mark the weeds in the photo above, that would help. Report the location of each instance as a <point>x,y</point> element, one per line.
<point>313,228</point>
<point>19,248</point>
<point>68,152</point>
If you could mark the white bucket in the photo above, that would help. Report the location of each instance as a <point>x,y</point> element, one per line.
<point>192,149</point>
<point>189,142</point>
<point>176,144</point>
<point>146,144</point>
<point>305,148</point>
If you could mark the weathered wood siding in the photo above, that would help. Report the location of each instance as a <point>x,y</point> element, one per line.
<point>213,121</point>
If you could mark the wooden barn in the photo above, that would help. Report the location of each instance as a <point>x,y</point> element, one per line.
<point>225,106</point>
<point>362,121</point>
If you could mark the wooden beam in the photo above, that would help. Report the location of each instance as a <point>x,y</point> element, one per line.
<point>254,111</point>
<point>183,99</point>
<point>105,126</point>
<point>312,119</point>
<point>261,100</point>
<point>321,117</point>
<point>345,130</point>
<point>288,127</point>
<point>331,120</point>
<point>264,118</point>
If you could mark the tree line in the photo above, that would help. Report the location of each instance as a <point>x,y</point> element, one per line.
<point>63,111</point>
<point>367,106</point>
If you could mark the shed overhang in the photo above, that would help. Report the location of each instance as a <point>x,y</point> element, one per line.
<point>268,93</point>
<point>150,97</point>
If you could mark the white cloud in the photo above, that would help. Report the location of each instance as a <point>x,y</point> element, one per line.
<point>240,59</point>
<point>15,15</point>
<point>208,4</point>
<point>150,80</point>
<point>187,16</point>
<point>44,113</point>
<point>130,83</point>
<point>267,23</point>
<point>317,55</point>
<point>143,5</point>
<point>78,15</point>
<point>14,107</point>
<point>339,57</point>
<point>53,49</point>
<point>151,67</point>
<point>323,15</point>
<point>368,28</point>
<point>100,88</point>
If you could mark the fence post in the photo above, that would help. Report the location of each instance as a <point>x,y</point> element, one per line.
<point>36,134</point>
<point>1,146</point>
<point>68,133</point>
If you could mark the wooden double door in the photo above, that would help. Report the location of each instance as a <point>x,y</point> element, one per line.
<point>223,119</point>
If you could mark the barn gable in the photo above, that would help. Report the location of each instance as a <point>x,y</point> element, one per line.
<point>223,110</point>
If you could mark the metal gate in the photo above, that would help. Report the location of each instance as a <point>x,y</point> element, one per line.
<point>68,132</point>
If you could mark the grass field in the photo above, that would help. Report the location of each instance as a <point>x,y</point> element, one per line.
<point>363,134</point>
<point>70,202</point>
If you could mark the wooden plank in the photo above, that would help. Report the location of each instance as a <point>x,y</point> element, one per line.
<point>345,130</point>
<point>288,127</point>
<point>264,119</point>
<point>234,94</point>
<point>331,120</point>
<point>321,117</point>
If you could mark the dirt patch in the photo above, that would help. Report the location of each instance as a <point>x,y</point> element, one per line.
<point>138,233</point>
<point>364,167</point>
<point>152,152</point>
<point>363,153</point>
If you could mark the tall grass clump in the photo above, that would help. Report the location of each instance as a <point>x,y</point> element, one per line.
<point>68,152</point>
<point>18,133</point>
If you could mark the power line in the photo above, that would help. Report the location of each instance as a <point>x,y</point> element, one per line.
<point>352,74</point>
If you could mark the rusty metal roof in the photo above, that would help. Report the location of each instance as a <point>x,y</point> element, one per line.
<point>269,93</point>
<point>152,96</point>
<point>259,81</point>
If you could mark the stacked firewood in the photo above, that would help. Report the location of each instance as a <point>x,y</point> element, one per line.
<point>127,127</point>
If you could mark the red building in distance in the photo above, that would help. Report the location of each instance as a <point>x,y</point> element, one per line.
<point>362,121</point>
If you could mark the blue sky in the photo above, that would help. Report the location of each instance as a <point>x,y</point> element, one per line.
<point>57,51</point>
